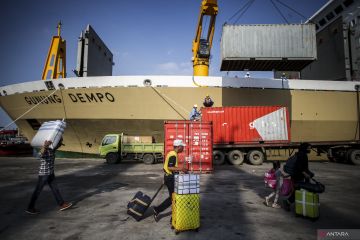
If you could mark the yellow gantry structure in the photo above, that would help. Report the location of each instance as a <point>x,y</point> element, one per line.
<point>55,65</point>
<point>202,44</point>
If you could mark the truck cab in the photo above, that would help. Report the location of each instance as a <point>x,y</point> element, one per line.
<point>117,147</point>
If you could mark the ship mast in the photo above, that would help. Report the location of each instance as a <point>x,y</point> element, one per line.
<point>55,65</point>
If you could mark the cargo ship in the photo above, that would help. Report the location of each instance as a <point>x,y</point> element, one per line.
<point>321,112</point>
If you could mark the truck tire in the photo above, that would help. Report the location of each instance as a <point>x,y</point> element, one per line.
<point>148,159</point>
<point>236,157</point>
<point>354,156</point>
<point>256,157</point>
<point>112,158</point>
<point>218,157</point>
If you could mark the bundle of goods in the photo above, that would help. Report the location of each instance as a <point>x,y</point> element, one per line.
<point>49,131</point>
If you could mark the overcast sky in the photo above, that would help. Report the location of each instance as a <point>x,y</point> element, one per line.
<point>145,37</point>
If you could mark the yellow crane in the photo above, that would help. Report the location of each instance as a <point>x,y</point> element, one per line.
<point>55,65</point>
<point>202,44</point>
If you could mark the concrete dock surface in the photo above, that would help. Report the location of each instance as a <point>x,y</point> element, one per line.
<point>231,202</point>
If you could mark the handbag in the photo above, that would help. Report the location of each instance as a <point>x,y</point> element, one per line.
<point>315,187</point>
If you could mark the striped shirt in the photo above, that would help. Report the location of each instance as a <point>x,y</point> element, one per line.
<point>47,162</point>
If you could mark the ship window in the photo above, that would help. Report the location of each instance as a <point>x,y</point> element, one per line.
<point>108,140</point>
<point>35,125</point>
<point>338,9</point>
<point>335,31</point>
<point>348,2</point>
<point>330,16</point>
<point>49,85</point>
<point>322,22</point>
<point>317,27</point>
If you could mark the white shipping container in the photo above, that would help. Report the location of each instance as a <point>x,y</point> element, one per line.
<point>265,47</point>
<point>50,131</point>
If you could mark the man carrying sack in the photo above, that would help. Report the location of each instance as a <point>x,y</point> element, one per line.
<point>170,167</point>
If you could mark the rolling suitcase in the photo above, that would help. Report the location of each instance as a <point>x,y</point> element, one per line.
<point>185,212</point>
<point>139,204</point>
<point>307,204</point>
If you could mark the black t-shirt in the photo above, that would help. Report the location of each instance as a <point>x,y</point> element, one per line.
<point>172,161</point>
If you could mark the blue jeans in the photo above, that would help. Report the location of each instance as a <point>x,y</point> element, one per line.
<point>42,180</point>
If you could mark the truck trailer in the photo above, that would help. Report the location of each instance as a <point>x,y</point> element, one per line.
<point>257,133</point>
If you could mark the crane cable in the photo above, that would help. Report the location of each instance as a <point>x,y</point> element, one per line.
<point>242,9</point>
<point>291,9</point>
<point>248,4</point>
<point>279,11</point>
<point>245,10</point>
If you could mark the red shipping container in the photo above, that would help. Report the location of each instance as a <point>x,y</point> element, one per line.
<point>248,124</point>
<point>198,139</point>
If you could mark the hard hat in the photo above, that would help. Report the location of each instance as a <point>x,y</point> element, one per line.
<point>207,95</point>
<point>179,142</point>
<point>195,105</point>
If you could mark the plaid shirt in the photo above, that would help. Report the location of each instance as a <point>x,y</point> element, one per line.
<point>47,162</point>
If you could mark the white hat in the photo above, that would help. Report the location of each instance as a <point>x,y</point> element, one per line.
<point>195,105</point>
<point>179,142</point>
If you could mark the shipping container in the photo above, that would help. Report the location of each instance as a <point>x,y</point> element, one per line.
<point>198,139</point>
<point>246,130</point>
<point>248,124</point>
<point>283,47</point>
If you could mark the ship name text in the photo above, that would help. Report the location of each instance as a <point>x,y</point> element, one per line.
<point>43,99</point>
<point>74,97</point>
<point>91,97</point>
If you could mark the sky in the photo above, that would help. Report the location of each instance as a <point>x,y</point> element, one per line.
<point>145,37</point>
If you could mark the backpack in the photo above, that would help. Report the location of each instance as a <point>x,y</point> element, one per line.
<point>287,187</point>
<point>290,165</point>
<point>270,179</point>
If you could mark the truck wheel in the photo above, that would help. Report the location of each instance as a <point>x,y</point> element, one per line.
<point>112,158</point>
<point>236,157</point>
<point>354,156</point>
<point>148,159</point>
<point>218,157</point>
<point>256,157</point>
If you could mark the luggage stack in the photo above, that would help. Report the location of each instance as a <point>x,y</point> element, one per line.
<point>51,131</point>
<point>186,203</point>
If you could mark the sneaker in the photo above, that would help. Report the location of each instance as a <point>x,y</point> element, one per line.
<point>156,215</point>
<point>65,206</point>
<point>275,205</point>
<point>32,211</point>
<point>267,203</point>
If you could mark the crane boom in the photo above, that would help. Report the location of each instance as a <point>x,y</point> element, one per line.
<point>55,65</point>
<point>202,44</point>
